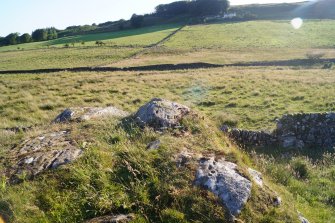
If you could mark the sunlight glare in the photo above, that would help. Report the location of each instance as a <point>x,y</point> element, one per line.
<point>297,23</point>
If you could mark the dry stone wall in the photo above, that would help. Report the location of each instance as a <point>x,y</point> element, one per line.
<point>293,130</point>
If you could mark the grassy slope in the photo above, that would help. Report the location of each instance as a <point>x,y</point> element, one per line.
<point>247,97</point>
<point>139,37</point>
<point>243,42</point>
<point>256,34</point>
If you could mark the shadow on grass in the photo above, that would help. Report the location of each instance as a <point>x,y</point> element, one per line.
<point>278,152</point>
<point>183,66</point>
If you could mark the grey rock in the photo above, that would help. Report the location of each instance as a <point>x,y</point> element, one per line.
<point>47,151</point>
<point>289,141</point>
<point>277,201</point>
<point>121,218</point>
<point>222,178</point>
<point>87,113</point>
<point>256,176</point>
<point>161,114</point>
<point>154,145</point>
<point>183,158</point>
<point>302,219</point>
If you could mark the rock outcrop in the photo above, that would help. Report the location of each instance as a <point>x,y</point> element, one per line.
<point>293,130</point>
<point>87,113</point>
<point>47,151</point>
<point>121,218</point>
<point>222,178</point>
<point>161,114</point>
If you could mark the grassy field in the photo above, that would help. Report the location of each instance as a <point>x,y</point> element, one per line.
<point>134,37</point>
<point>246,97</point>
<point>260,34</point>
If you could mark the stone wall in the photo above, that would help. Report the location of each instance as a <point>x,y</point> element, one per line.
<point>307,130</point>
<point>293,130</point>
<point>250,138</point>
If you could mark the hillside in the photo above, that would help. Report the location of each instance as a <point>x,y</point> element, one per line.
<point>227,122</point>
<point>322,9</point>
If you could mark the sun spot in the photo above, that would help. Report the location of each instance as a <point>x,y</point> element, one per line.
<point>297,23</point>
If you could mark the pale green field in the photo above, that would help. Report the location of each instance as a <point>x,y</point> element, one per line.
<point>259,34</point>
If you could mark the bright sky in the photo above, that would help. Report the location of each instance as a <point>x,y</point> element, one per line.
<point>27,15</point>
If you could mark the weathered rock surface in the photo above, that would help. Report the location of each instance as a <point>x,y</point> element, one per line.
<point>154,145</point>
<point>87,113</point>
<point>293,130</point>
<point>222,178</point>
<point>256,176</point>
<point>112,219</point>
<point>47,151</point>
<point>161,114</point>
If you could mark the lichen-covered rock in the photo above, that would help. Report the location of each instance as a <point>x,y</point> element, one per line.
<point>256,176</point>
<point>161,114</point>
<point>87,113</point>
<point>154,145</point>
<point>121,218</point>
<point>222,178</point>
<point>47,151</point>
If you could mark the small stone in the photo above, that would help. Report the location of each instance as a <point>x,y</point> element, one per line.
<point>277,201</point>
<point>121,218</point>
<point>154,145</point>
<point>302,219</point>
<point>256,176</point>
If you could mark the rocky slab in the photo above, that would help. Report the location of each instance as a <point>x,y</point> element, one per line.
<point>223,179</point>
<point>47,151</point>
<point>161,114</point>
<point>87,113</point>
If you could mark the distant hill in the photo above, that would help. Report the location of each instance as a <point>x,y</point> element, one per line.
<point>321,9</point>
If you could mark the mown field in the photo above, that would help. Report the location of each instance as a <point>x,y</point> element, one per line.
<point>246,97</point>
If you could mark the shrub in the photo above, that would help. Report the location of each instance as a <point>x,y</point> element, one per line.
<point>300,168</point>
<point>172,216</point>
<point>327,65</point>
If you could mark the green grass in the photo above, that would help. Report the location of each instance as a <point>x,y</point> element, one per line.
<point>252,98</point>
<point>63,57</point>
<point>133,37</point>
<point>256,34</point>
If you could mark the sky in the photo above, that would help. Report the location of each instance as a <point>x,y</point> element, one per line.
<point>27,15</point>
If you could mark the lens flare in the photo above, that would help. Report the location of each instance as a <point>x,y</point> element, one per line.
<point>297,23</point>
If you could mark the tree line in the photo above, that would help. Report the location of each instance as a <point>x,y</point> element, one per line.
<point>194,8</point>
<point>36,36</point>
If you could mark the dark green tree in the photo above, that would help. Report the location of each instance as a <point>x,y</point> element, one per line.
<point>40,35</point>
<point>12,39</point>
<point>25,38</point>
<point>209,7</point>
<point>136,20</point>
<point>2,39</point>
<point>52,33</point>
